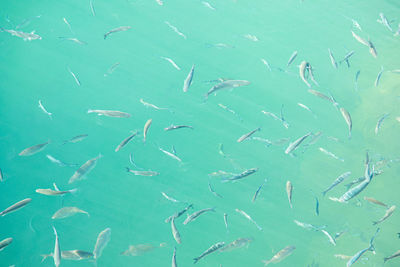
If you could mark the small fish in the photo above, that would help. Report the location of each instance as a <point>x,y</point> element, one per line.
<point>281,255</point>
<point>188,80</point>
<point>265,62</point>
<point>342,257</point>
<point>321,95</point>
<point>178,214</point>
<point>75,40</point>
<point>394,255</point>
<point>102,240</point>
<point>175,29</point>
<point>281,118</point>
<point>207,4</point>
<point>146,128</point>
<point>69,25</point>
<point>110,113</point>
<point>302,71</point>
<point>26,36</point>
<point>5,242</point>
<point>175,232</point>
<point>170,154</point>
<point>289,190</point>
<point>264,140</point>
<point>333,61</point>
<point>76,139</point>
<point>137,250</point>
<point>33,149</point>
<point>213,191</point>
<point>258,191</point>
<point>373,200</point>
<point>175,127</point>
<point>126,141</point>
<point>308,226</point>
<point>310,71</point>
<point>388,213</point>
<point>238,243</point>
<point>1,176</point>
<point>57,250</point>
<point>226,221</point>
<point>230,110</point>
<point>142,173</point>
<point>212,249</point>
<point>347,57</point>
<point>323,150</point>
<point>339,234</point>
<point>228,84</point>
<point>91,4</point>
<point>306,108</point>
<point>379,123</point>
<point>331,240</point>
<point>247,135</point>
<point>44,110</point>
<point>361,252</point>
<point>111,69</point>
<point>251,37</point>
<point>196,214</point>
<point>336,182</point>
<point>383,20</point>
<point>360,39</point>
<point>75,77</point>
<point>356,79</point>
<point>316,206</point>
<point>71,255</point>
<point>347,118</point>
<point>378,77</point>
<point>295,144</point>
<point>51,192</point>
<point>243,213</point>
<point>240,175</point>
<point>119,29</point>
<point>15,206</point>
<point>87,167</point>
<point>292,58</point>
<point>27,21</point>
<point>372,49</point>
<point>59,162</point>
<point>160,2</point>
<point>66,212</point>
<point>172,62</point>
<point>170,198</point>
<point>174,258</point>
<point>149,105</point>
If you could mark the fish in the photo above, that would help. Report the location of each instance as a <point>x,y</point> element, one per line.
<point>316,206</point>
<point>347,57</point>
<point>373,200</point>
<point>78,82</point>
<point>302,71</point>
<point>1,176</point>
<point>188,80</point>
<point>264,140</point>
<point>383,20</point>
<point>175,127</point>
<point>281,118</point>
<point>92,7</point>
<point>228,84</point>
<point>126,141</point>
<point>169,198</point>
<point>16,206</point>
<point>196,214</point>
<point>66,212</point>
<point>75,40</point>
<point>356,79</point>
<point>265,62</point>
<point>149,105</point>
<point>342,257</point>
<point>102,240</point>
<point>321,95</point>
<point>119,29</point>
<point>27,21</point>
<point>33,149</point>
<point>323,150</point>
<point>110,113</point>
<point>51,192</point>
<point>57,250</point>
<point>172,62</point>
<point>306,108</point>
<point>71,255</point>
<point>292,58</point>
<point>379,123</point>
<point>59,162</point>
<point>170,154</point>
<point>243,213</point>
<point>336,182</point>
<point>281,255</point>
<point>295,144</point>
<point>88,166</point>
<point>251,37</point>
<point>360,39</point>
<point>331,240</point>
<point>75,139</point>
<point>308,226</point>
<point>247,135</point>
<point>339,234</point>
<point>178,214</point>
<point>26,36</point>
<point>137,250</point>
<point>111,69</point>
<point>394,255</point>
<point>160,2</point>
<point>212,249</point>
<point>175,232</point>
<point>69,26</point>
<point>174,258</point>
<point>226,221</point>
<point>240,175</point>
<point>289,191</point>
<point>238,243</point>
<point>5,242</point>
<point>397,33</point>
<point>361,252</point>
<point>207,4</point>
<point>332,58</point>
<point>388,213</point>
<point>142,173</point>
<point>372,49</point>
<point>310,71</point>
<point>378,77</point>
<point>175,29</point>
<point>212,190</point>
<point>146,128</point>
<point>347,118</point>
<point>258,191</point>
<point>44,110</point>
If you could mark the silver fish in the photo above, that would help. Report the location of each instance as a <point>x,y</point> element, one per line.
<point>372,49</point>
<point>384,21</point>
<point>126,141</point>
<point>71,255</point>
<point>111,69</point>
<point>289,192</point>
<point>240,175</point>
<point>282,254</point>
<point>303,67</point>
<point>378,77</point>
<point>174,258</point>
<point>361,252</point>
<point>333,61</point>
<point>265,62</point>
<point>78,82</point>
<point>51,192</point>
<point>1,176</point>
<point>292,58</point>
<point>238,243</point>
<point>373,200</point>
<point>212,249</point>
<point>247,135</point>
<point>258,191</point>
<point>87,167</point>
<point>388,213</point>
<point>57,250</point>
<point>175,232</point>
<point>170,154</point>
<point>360,39</point>
<point>247,216</point>
<point>76,139</point>
<point>337,181</point>
<point>5,242</point>
<point>169,198</point>
<point>394,255</point>
<point>295,144</point>
<point>26,36</point>
<point>347,118</point>
<point>196,214</point>
<point>228,84</point>
<point>178,214</point>
<point>15,206</point>
<point>213,191</point>
<point>102,240</point>
<point>146,128</point>
<point>110,113</point>
<point>172,62</point>
<point>149,105</point>
<point>188,80</point>
<point>309,226</point>
<point>91,4</point>
<point>331,240</point>
<point>142,173</point>
<point>175,29</point>
<point>44,110</point>
<point>323,150</point>
<point>119,29</point>
<point>33,149</point>
<point>175,127</point>
<point>226,221</point>
<point>59,162</point>
<point>379,123</point>
<point>347,57</point>
<point>66,212</point>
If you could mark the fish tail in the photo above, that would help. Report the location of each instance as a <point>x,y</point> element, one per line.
<point>105,36</point>
<point>324,193</point>
<point>127,169</point>
<point>266,262</point>
<point>196,260</point>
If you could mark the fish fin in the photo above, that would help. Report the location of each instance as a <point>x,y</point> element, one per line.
<point>45,256</point>
<point>127,169</point>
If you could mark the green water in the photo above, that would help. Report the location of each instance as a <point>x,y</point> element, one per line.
<point>133,206</point>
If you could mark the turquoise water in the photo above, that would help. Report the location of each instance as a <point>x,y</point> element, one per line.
<point>133,206</point>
